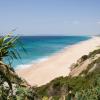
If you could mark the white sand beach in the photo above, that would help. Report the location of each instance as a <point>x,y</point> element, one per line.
<point>58,64</point>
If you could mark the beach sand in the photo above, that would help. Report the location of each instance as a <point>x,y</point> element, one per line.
<point>58,64</point>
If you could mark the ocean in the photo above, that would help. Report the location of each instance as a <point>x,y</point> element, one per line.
<point>39,48</point>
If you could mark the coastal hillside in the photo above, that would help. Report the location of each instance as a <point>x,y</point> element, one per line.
<point>83,82</point>
<point>86,64</point>
<point>12,87</point>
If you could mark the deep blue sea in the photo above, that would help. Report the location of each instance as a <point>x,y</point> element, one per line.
<point>39,48</point>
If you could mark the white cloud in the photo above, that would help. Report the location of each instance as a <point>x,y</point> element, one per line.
<point>98,22</point>
<point>75,22</point>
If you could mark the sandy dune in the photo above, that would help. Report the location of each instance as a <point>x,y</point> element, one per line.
<point>58,64</point>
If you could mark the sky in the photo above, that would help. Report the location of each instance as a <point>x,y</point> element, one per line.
<point>50,17</point>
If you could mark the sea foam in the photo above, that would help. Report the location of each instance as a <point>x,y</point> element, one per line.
<point>23,66</point>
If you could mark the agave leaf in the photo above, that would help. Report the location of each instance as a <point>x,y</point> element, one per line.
<point>17,53</point>
<point>6,38</point>
<point>9,40</point>
<point>8,47</point>
<point>10,57</point>
<point>22,46</point>
<point>12,40</point>
<point>13,54</point>
<point>1,41</point>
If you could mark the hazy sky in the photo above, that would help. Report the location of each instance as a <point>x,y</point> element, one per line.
<point>50,17</point>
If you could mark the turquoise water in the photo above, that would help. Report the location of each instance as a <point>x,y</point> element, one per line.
<point>40,48</point>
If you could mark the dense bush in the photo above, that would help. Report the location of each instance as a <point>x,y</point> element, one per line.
<point>86,87</point>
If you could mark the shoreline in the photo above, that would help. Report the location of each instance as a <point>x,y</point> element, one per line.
<point>58,64</point>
